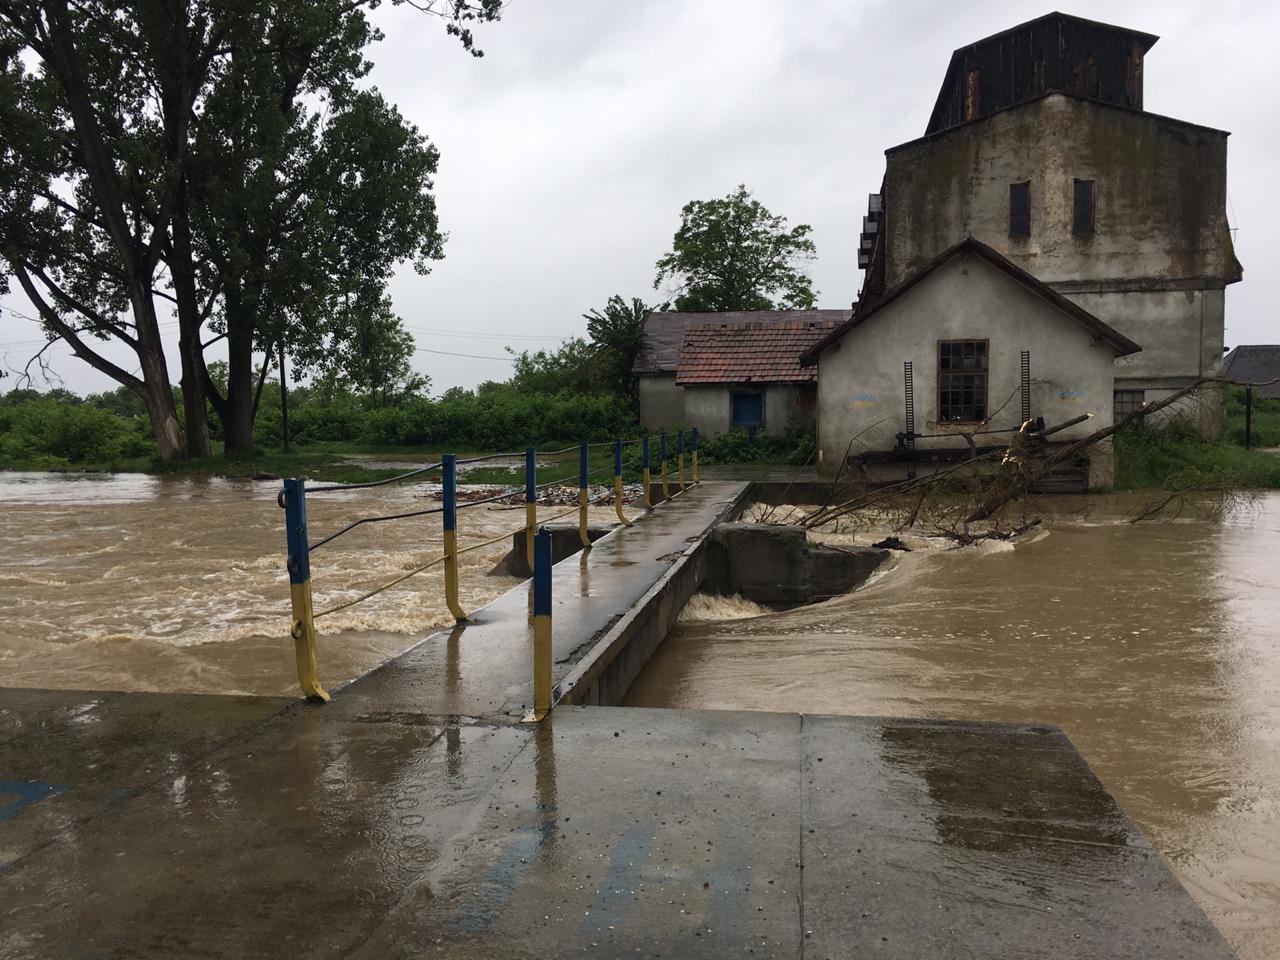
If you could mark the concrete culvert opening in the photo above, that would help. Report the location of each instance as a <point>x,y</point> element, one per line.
<point>780,568</point>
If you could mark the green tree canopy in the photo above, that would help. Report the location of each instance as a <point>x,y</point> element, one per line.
<point>733,254</point>
<point>615,335</point>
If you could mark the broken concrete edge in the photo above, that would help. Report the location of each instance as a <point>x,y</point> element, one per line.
<point>599,678</point>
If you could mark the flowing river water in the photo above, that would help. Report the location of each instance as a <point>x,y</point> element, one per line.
<point>133,582</point>
<point>1155,646</point>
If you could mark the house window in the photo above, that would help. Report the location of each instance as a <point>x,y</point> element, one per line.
<point>746,410</point>
<point>1082,207</point>
<point>1127,402</point>
<point>962,381</point>
<point>1020,209</point>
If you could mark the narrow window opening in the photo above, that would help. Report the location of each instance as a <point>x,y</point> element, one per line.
<point>1082,220</point>
<point>972,102</point>
<point>962,381</point>
<point>1020,209</point>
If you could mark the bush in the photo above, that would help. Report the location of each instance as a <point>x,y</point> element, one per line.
<point>1266,419</point>
<point>796,447</point>
<point>1178,458</point>
<point>47,433</point>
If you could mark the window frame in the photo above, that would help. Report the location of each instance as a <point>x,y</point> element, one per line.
<point>1116,415</point>
<point>1024,185</point>
<point>1092,226</point>
<point>985,373</point>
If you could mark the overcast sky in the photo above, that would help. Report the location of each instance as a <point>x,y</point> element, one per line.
<point>569,149</point>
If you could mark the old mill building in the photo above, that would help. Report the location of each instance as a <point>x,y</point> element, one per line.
<point>1048,247</point>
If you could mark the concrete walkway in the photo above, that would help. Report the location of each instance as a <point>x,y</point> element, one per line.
<point>605,832</point>
<point>484,668</point>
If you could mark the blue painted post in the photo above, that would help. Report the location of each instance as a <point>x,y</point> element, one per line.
<point>303,627</point>
<point>680,459</point>
<point>530,503</point>
<point>584,453</point>
<point>662,457</point>
<point>694,441</point>
<point>542,624</point>
<point>449,492</point>
<point>617,482</point>
<point>644,472</point>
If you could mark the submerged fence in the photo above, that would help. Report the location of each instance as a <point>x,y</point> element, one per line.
<point>293,499</point>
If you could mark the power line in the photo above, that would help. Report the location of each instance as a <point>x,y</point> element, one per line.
<point>486,336</point>
<point>473,356</point>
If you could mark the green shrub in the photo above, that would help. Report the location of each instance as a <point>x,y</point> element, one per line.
<point>58,434</point>
<point>795,447</point>
<point>1178,458</point>
<point>1266,419</point>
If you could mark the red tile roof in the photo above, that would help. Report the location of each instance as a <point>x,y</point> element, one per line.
<point>750,352</point>
<point>663,331</point>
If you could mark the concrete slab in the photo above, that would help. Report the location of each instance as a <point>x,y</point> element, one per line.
<point>485,666</point>
<point>607,832</point>
<point>68,755</point>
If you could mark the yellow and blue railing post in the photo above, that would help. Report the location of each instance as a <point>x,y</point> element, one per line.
<point>617,481</point>
<point>644,472</point>
<point>449,466</point>
<point>584,453</point>
<point>542,624</point>
<point>662,457</point>
<point>303,628</point>
<point>680,459</point>
<point>530,503</point>
<point>693,441</point>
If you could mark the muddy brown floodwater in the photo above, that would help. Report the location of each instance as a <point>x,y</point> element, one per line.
<point>1155,646</point>
<point>132,582</point>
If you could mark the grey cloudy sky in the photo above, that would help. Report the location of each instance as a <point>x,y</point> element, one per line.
<point>568,150</point>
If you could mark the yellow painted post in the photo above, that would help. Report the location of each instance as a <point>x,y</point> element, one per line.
<point>303,626</point>
<point>530,503</point>
<point>680,459</point>
<point>617,482</point>
<point>645,478</point>
<point>450,515</point>
<point>542,625</point>
<point>694,440</point>
<point>662,456</point>
<point>583,499</point>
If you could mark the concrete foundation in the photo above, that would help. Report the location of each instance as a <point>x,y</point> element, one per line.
<point>778,566</point>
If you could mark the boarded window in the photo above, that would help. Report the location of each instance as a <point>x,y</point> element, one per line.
<point>1020,209</point>
<point>1082,217</point>
<point>962,381</point>
<point>971,100</point>
<point>1127,402</point>
<point>746,409</point>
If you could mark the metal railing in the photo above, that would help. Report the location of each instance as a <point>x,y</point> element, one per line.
<point>293,499</point>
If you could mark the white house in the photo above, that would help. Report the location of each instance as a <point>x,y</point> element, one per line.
<point>978,344</point>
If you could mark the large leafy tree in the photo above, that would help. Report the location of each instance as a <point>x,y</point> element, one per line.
<point>220,157</point>
<point>733,254</point>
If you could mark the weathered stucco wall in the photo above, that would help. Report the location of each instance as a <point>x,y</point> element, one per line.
<point>661,402</point>
<point>1160,201</point>
<point>860,385</point>
<point>785,405</point>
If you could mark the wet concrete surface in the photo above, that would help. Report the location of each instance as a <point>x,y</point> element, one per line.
<point>485,666</point>
<point>603,832</point>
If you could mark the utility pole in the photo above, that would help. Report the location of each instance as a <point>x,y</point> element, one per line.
<point>284,399</point>
<point>1248,416</point>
